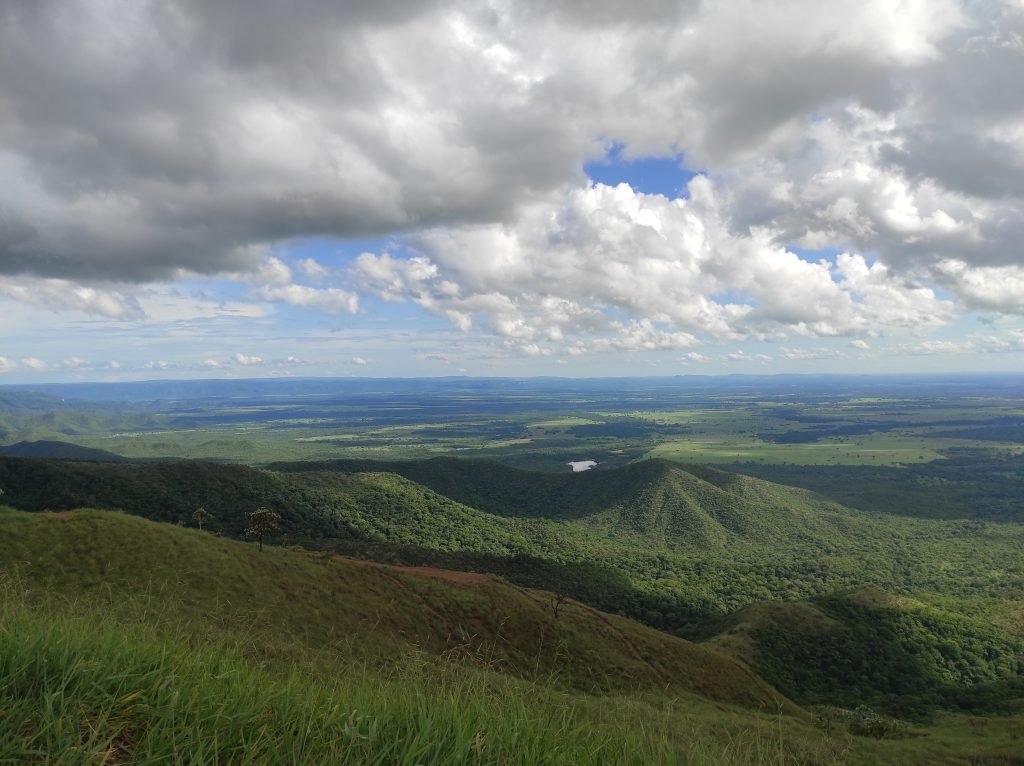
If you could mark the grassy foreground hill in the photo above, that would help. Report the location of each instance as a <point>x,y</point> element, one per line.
<point>302,602</point>
<point>127,641</point>
<point>319,659</point>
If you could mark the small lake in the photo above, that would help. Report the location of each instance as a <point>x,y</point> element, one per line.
<point>582,465</point>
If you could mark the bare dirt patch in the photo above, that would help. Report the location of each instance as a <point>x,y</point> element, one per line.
<point>451,575</point>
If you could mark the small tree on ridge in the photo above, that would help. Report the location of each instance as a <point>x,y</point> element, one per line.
<point>200,517</point>
<point>262,522</point>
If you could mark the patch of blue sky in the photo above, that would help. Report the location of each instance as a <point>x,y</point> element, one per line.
<point>213,289</point>
<point>815,255</point>
<point>667,176</point>
<point>730,297</point>
<point>613,313</point>
<point>942,293</point>
<point>375,312</point>
<point>330,252</point>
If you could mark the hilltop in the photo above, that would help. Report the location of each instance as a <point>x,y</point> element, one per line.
<point>124,640</point>
<point>654,504</point>
<point>659,503</point>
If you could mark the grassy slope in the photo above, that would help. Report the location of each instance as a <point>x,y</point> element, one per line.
<point>124,640</point>
<point>80,687</point>
<point>301,602</point>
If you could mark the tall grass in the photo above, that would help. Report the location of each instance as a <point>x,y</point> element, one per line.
<point>78,687</point>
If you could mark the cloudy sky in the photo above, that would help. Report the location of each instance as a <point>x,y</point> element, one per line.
<point>251,187</point>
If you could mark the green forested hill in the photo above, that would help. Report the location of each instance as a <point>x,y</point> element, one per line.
<point>59,449</point>
<point>865,646</point>
<point>168,492</point>
<point>676,548</point>
<point>659,503</point>
<point>967,484</point>
<point>450,504</point>
<point>26,415</point>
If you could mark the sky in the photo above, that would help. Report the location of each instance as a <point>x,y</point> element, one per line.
<point>251,188</point>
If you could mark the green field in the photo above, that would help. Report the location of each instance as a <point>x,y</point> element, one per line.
<point>540,424</point>
<point>884,449</point>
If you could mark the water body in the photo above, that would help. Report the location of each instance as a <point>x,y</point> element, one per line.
<point>582,465</point>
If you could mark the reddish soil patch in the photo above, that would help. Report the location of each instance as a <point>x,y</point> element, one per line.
<point>451,575</point>
<point>58,514</point>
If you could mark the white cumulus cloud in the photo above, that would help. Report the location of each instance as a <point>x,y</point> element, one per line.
<point>183,140</point>
<point>65,295</point>
<point>332,300</point>
<point>34,364</point>
<point>247,360</point>
<point>644,273</point>
<point>313,269</point>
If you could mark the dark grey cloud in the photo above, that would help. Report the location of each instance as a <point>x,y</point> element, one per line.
<point>167,136</point>
<point>976,80</point>
<point>979,165</point>
<point>602,13</point>
<point>141,139</point>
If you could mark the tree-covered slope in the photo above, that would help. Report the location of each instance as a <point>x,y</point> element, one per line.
<point>865,646</point>
<point>316,507</point>
<point>451,504</point>
<point>168,492</point>
<point>59,449</point>
<point>659,503</point>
